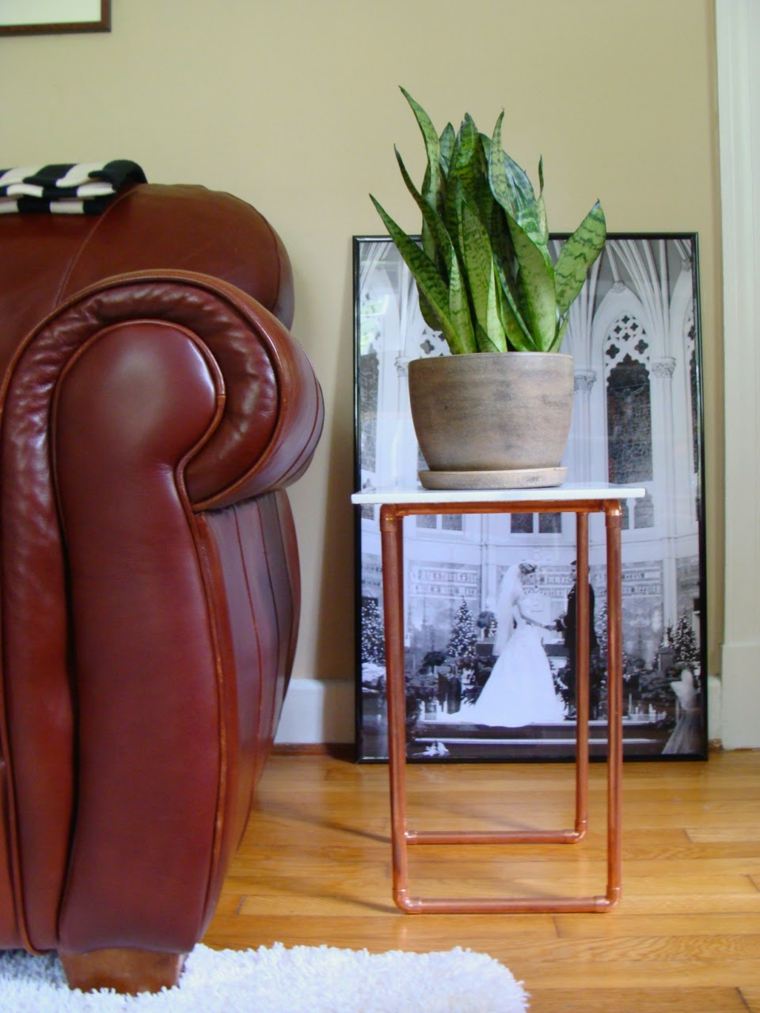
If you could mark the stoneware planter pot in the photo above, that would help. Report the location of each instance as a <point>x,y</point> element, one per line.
<point>492,421</point>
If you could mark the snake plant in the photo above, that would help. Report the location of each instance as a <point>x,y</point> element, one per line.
<point>484,272</point>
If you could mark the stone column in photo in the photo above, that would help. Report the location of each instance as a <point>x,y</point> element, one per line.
<point>662,424</point>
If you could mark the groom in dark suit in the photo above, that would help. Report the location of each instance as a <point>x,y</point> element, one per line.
<point>567,626</point>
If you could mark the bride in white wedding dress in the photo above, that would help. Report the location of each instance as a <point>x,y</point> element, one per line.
<point>520,689</point>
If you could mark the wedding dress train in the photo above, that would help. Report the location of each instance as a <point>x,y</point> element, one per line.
<point>520,689</point>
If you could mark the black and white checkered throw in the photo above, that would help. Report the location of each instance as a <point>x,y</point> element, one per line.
<point>81,188</point>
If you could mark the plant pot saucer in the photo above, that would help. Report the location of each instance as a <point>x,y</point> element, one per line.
<point>519,478</point>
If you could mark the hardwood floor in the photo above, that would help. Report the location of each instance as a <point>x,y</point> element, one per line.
<point>314,867</point>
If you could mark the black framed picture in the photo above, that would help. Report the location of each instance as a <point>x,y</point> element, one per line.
<point>637,420</point>
<point>53,17</point>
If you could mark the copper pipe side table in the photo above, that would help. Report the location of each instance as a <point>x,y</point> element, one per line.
<point>580,500</point>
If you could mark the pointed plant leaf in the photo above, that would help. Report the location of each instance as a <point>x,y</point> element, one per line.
<point>446,142</point>
<point>518,179</point>
<point>562,324</point>
<point>457,183</point>
<point>484,342</point>
<point>428,313</point>
<point>476,260</point>
<point>436,241</point>
<point>429,281</point>
<point>497,338</point>
<point>432,187</point>
<point>481,280</point>
<point>452,214</point>
<point>497,174</point>
<point>513,190</point>
<point>462,164</point>
<point>542,222</point>
<point>535,288</point>
<point>459,304</point>
<point>518,335</point>
<point>577,255</point>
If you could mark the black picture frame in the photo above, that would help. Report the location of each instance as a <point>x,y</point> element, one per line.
<point>637,420</point>
<point>71,16</point>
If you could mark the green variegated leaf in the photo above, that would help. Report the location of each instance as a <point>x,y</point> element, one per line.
<point>484,275</point>
<point>490,212</point>
<point>455,191</point>
<point>428,313</point>
<point>561,329</point>
<point>512,189</point>
<point>481,280</point>
<point>535,288</point>
<point>476,260</point>
<point>518,179</point>
<point>467,177</point>
<point>518,335</point>
<point>542,222</point>
<point>432,188</point>
<point>497,174</point>
<point>428,281</point>
<point>459,304</point>
<point>495,333</point>
<point>462,165</point>
<point>577,255</point>
<point>439,247</point>
<point>447,139</point>
<point>452,214</point>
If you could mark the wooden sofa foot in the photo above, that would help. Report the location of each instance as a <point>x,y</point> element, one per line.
<point>125,970</point>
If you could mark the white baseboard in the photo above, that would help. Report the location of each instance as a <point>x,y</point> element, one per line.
<point>317,711</point>
<point>714,710</point>
<point>740,696</point>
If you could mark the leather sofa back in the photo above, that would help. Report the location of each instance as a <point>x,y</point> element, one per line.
<point>47,258</point>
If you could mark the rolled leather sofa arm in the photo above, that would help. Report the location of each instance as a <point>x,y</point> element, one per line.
<point>98,543</point>
<point>271,404</point>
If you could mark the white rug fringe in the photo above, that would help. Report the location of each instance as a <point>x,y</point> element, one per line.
<point>301,979</point>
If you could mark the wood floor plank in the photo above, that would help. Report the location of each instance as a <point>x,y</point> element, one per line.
<point>722,835</point>
<point>622,924</point>
<point>314,867</point>
<point>651,1000</point>
<point>655,904</point>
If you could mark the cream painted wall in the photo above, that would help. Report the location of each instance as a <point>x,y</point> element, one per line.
<point>293,105</point>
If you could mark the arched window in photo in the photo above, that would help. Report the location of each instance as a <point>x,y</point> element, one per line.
<point>629,403</point>
<point>530,524</point>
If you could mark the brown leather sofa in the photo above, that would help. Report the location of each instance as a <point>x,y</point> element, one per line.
<point>154,408</point>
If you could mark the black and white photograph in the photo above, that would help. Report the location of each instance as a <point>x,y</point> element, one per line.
<point>43,17</point>
<point>489,599</point>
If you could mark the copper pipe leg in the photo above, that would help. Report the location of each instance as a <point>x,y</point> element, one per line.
<point>615,702</point>
<point>582,650</point>
<point>391,528</point>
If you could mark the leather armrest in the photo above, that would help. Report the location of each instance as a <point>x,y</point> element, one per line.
<point>270,404</point>
<point>138,402</point>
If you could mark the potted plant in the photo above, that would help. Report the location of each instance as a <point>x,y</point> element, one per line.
<point>486,279</point>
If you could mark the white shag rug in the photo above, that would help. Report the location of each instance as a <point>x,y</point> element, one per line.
<point>301,979</point>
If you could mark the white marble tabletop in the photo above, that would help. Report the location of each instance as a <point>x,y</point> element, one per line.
<point>570,492</point>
